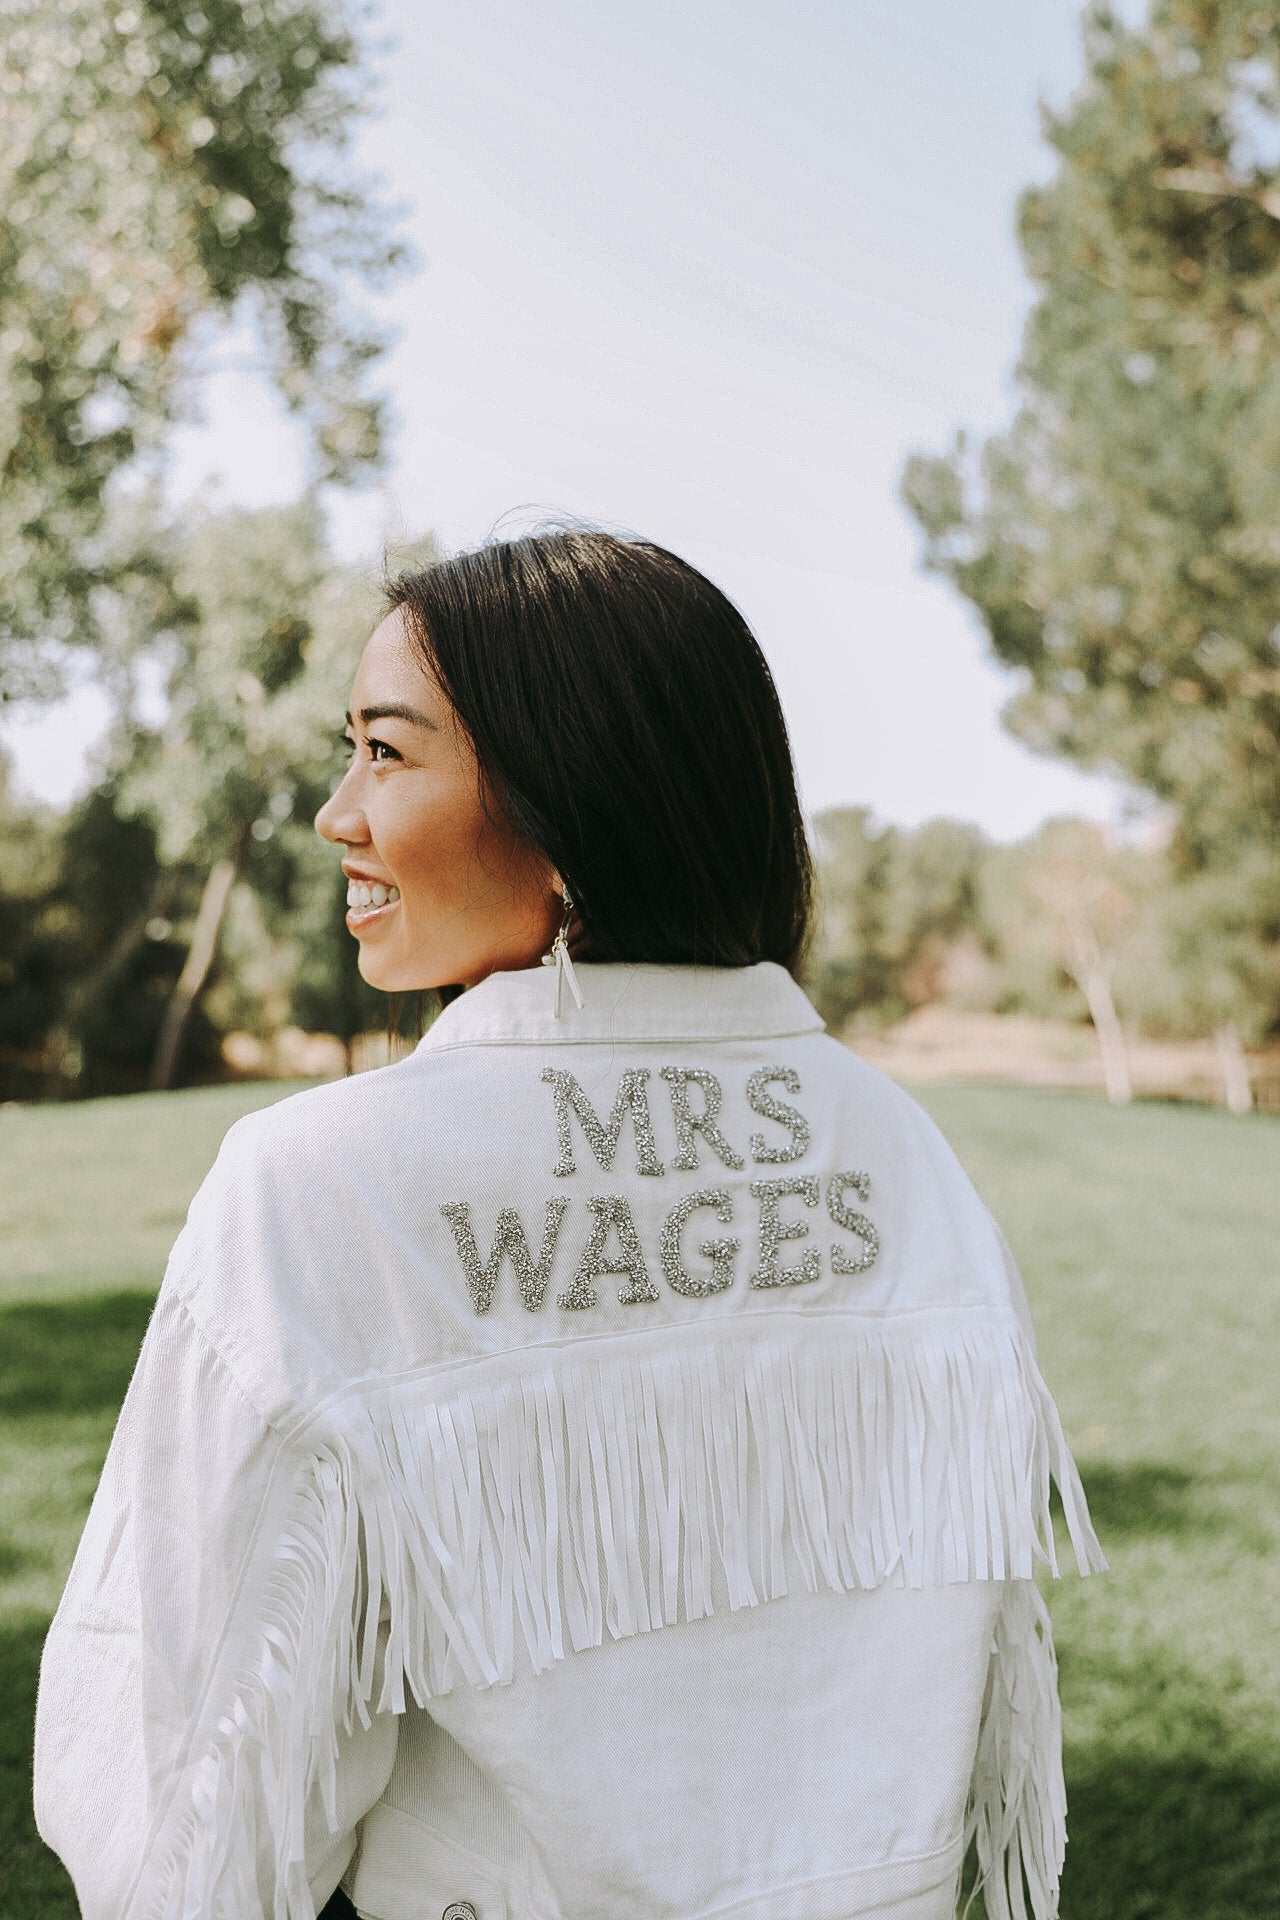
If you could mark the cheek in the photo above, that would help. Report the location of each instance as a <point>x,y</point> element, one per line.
<point>431,836</point>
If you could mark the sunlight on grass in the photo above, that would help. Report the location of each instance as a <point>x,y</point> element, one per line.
<point>1149,1238</point>
<point>93,1194</point>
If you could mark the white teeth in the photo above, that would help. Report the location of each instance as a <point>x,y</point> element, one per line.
<point>361,894</point>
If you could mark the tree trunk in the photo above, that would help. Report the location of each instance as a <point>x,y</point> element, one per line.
<point>1236,1085</point>
<point>1093,977</point>
<point>1096,988</point>
<point>195,971</point>
<point>63,1045</point>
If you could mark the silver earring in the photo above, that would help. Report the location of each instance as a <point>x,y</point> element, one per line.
<point>558,955</point>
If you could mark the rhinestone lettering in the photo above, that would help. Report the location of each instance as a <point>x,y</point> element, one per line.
<point>509,1239</point>
<point>719,1252</point>
<point>763,1102</point>
<point>774,1230</point>
<point>689,1123</point>
<point>632,1097</point>
<point>844,1216</point>
<point>613,1215</point>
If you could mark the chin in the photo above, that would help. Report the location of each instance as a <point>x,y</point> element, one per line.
<point>376,976</point>
<point>376,973</point>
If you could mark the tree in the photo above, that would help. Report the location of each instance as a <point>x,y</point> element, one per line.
<point>846,971</point>
<point>259,645</point>
<point>1121,540</point>
<point>1221,930</point>
<point>893,906</point>
<point>87,956</point>
<point>162,161</point>
<point>1085,898</point>
<point>260,640</point>
<point>110,899</point>
<point>28,983</point>
<point>930,908</point>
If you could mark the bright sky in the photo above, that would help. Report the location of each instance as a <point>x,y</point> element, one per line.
<point>707,272</point>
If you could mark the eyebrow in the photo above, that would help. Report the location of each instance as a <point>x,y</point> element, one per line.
<point>394,710</point>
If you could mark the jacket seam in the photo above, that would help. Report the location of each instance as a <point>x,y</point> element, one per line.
<point>718,1329</point>
<point>852,1874</point>
<point>484,1861</point>
<point>502,1874</point>
<point>699,1037</point>
<point>289,1429</point>
<point>219,1352</point>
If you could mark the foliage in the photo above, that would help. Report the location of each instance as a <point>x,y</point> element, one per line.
<point>162,161</point>
<point>28,870</point>
<point>328,994</point>
<point>69,887</point>
<point>1221,935</point>
<point>1064,924</point>
<point>845,969</point>
<point>253,633</point>
<point>1071,899</point>
<point>1120,541</point>
<point>109,875</point>
<point>257,645</point>
<point>258,641</point>
<point>896,909</point>
<point>908,916</point>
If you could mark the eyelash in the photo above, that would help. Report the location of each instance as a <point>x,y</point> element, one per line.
<point>350,744</point>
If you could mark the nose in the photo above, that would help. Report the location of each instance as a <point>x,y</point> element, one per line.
<point>339,820</point>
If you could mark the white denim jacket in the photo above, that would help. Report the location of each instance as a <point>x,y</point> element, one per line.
<point>592,1469</point>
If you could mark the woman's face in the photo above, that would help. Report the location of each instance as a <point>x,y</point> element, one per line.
<point>465,898</point>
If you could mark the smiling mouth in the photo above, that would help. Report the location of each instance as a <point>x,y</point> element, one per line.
<point>363,909</point>
<point>358,918</point>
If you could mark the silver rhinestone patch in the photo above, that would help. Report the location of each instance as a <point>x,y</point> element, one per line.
<point>763,1102</point>
<point>632,1097</point>
<point>774,1230</point>
<point>509,1239</point>
<point>613,1215</point>
<point>719,1252</point>
<point>688,1123</point>
<point>842,1262</point>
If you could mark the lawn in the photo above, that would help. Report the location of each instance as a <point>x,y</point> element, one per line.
<point>1150,1243</point>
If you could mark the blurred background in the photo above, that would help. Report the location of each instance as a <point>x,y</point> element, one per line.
<point>945,341</point>
<point>943,344</point>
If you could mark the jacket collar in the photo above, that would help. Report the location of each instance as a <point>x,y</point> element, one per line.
<point>626,1002</point>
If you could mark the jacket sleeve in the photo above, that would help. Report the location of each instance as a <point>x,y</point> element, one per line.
<point>173,1772</point>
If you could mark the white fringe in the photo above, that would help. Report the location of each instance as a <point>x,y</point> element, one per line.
<point>1017,1812</point>
<point>563,1493</point>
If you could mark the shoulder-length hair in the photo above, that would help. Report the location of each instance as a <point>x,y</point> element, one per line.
<point>627,725</point>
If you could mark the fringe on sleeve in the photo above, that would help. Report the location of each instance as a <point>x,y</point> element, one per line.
<point>1017,1814</point>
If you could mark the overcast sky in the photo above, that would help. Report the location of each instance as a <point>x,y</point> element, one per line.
<point>706,272</point>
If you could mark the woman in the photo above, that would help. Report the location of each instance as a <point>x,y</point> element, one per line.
<point>592,1469</point>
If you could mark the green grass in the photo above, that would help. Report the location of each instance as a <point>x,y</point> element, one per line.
<point>91,1199</point>
<point>1149,1239</point>
<point>92,1194</point>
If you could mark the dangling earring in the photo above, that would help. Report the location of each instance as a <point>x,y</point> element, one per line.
<point>558,954</point>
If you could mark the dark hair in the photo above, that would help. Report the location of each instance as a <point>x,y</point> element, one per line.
<point>629,728</point>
